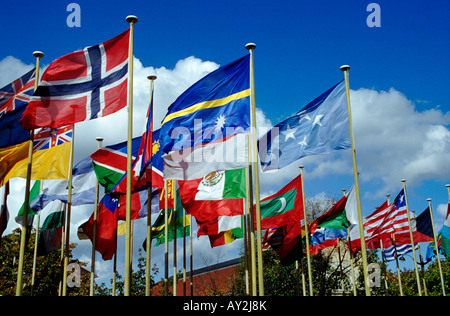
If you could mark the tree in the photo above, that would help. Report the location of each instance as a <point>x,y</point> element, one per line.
<point>48,269</point>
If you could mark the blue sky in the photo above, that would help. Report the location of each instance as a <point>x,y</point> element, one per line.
<point>400,75</point>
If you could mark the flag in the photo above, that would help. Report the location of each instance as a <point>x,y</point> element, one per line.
<point>51,156</point>
<point>9,156</point>
<point>139,204</point>
<point>81,86</point>
<point>283,207</point>
<point>11,132</point>
<point>329,227</point>
<point>140,178</point>
<point>157,162</point>
<point>286,241</point>
<point>220,224</point>
<point>445,234</point>
<point>193,163</point>
<point>17,93</point>
<point>4,214</point>
<point>389,253</point>
<point>321,127</point>
<point>106,227</point>
<point>381,224</point>
<point>110,163</point>
<point>215,107</point>
<point>83,187</point>
<point>50,233</point>
<point>218,185</point>
<point>225,237</point>
<point>34,192</point>
<point>158,226</point>
<point>216,194</point>
<point>421,227</point>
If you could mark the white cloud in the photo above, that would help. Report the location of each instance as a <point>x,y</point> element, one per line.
<point>12,68</point>
<point>394,141</point>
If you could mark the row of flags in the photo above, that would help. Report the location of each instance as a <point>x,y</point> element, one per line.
<point>203,143</point>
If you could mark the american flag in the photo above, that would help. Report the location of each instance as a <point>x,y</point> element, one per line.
<point>17,93</point>
<point>50,137</point>
<point>388,219</point>
<point>381,224</point>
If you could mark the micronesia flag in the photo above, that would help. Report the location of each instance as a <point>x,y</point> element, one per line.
<point>321,127</point>
<point>215,107</point>
<point>81,86</point>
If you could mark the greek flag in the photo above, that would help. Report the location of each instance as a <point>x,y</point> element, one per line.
<point>389,253</point>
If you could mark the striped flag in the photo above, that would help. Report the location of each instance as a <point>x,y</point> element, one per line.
<point>389,253</point>
<point>381,224</point>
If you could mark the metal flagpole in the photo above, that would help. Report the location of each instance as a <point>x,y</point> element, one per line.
<point>249,186</point>
<point>419,287</point>
<point>191,260</point>
<point>308,254</point>
<point>436,247</point>
<point>166,239</point>
<point>345,69</point>
<point>399,278</point>
<point>23,237</point>
<point>68,215</point>
<point>152,78</point>
<point>184,252</point>
<point>94,232</point>
<point>174,220</point>
<point>251,47</point>
<point>33,276</point>
<point>127,286</point>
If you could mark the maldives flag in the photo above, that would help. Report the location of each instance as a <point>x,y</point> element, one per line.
<point>81,86</point>
<point>283,207</point>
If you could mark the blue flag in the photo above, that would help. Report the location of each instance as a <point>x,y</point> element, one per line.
<point>321,127</point>
<point>215,107</point>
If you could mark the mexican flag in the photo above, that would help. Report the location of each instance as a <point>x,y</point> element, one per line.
<point>218,193</point>
<point>283,207</point>
<point>51,232</point>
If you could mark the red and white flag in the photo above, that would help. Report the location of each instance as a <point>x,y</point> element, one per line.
<point>81,86</point>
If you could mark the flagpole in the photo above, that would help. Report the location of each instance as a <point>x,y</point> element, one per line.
<point>345,69</point>
<point>36,235</point>
<point>174,220</point>
<point>94,233</point>
<point>308,254</point>
<point>68,214</point>
<point>436,247</point>
<point>152,78</point>
<point>419,287</point>
<point>127,286</point>
<point>249,186</point>
<point>191,260</point>
<point>61,257</point>
<point>38,55</point>
<point>166,240</point>
<point>251,47</point>
<point>184,252</point>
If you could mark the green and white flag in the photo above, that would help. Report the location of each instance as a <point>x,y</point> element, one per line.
<point>51,232</point>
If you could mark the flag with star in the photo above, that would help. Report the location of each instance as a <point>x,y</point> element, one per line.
<point>321,127</point>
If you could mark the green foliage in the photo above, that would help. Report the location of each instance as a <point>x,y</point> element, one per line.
<point>48,269</point>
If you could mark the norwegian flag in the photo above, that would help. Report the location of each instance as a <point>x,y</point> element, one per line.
<point>50,137</point>
<point>17,93</point>
<point>81,86</point>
